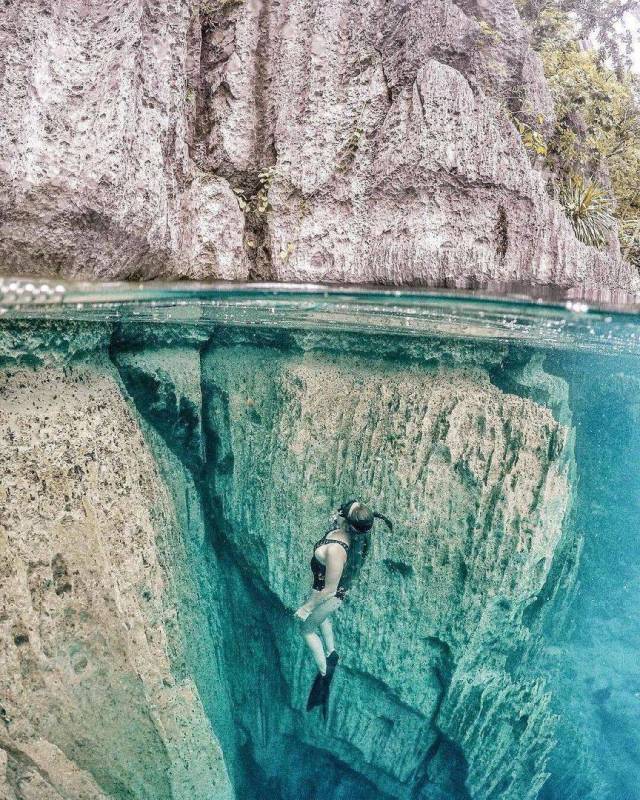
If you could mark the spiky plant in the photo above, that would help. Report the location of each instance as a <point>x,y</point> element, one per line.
<point>589,209</point>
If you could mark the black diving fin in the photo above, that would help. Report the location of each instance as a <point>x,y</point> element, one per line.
<point>316,695</point>
<point>319,694</point>
<point>332,662</point>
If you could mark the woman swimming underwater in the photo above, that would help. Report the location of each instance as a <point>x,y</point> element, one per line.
<point>330,557</point>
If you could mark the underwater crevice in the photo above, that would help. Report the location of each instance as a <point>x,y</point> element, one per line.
<point>446,751</point>
<point>246,608</point>
<point>293,770</point>
<point>442,747</point>
<point>249,597</point>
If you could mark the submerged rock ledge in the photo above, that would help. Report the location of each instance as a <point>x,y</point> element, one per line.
<point>151,561</point>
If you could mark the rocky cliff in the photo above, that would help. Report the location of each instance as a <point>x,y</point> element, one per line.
<point>477,482</point>
<point>297,140</point>
<point>93,703</point>
<point>163,491</point>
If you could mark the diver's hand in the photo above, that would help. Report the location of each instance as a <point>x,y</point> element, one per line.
<point>302,613</point>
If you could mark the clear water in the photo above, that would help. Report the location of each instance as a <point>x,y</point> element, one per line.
<point>489,647</point>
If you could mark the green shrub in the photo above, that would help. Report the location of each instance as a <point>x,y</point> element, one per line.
<point>630,241</point>
<point>597,108</point>
<point>257,201</point>
<point>604,21</point>
<point>532,139</point>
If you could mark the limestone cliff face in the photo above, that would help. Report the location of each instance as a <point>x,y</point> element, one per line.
<point>477,483</point>
<point>92,701</point>
<point>393,156</point>
<point>96,176</point>
<point>302,140</point>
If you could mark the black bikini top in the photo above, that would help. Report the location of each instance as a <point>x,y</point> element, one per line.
<point>325,540</point>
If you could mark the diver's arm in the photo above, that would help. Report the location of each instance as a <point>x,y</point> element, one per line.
<point>336,559</point>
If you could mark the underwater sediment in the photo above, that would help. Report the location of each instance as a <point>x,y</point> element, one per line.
<point>162,486</point>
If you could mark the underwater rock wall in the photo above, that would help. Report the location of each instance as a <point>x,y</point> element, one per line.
<point>303,140</point>
<point>93,703</point>
<point>164,582</point>
<point>598,686</point>
<point>433,697</point>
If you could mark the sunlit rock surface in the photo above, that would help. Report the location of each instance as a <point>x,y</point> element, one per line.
<point>95,172</point>
<point>93,703</point>
<point>307,140</point>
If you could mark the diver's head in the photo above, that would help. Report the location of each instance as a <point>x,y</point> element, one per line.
<point>359,518</point>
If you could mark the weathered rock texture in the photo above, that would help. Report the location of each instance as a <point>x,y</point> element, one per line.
<point>394,157</point>
<point>128,126</point>
<point>434,697</point>
<point>93,702</point>
<point>160,577</point>
<point>95,169</point>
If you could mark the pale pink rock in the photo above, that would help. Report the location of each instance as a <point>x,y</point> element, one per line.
<point>129,129</point>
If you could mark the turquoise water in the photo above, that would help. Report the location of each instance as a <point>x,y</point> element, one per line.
<point>488,647</point>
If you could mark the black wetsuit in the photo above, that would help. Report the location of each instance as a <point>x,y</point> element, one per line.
<point>319,570</point>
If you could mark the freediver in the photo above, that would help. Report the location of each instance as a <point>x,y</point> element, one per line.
<point>330,557</point>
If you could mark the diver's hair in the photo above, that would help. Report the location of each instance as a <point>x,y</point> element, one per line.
<point>361,516</point>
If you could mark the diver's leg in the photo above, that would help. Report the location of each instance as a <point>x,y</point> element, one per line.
<point>314,643</point>
<point>319,618</point>
<point>314,621</point>
<point>309,605</point>
<point>319,694</point>
<point>321,612</point>
<point>326,629</point>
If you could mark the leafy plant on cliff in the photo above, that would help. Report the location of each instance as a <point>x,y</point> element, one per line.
<point>629,231</point>
<point>349,148</point>
<point>597,129</point>
<point>532,138</point>
<point>589,210</point>
<point>488,32</point>
<point>604,22</point>
<point>209,8</point>
<point>257,202</point>
<point>287,252</point>
<point>597,113</point>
